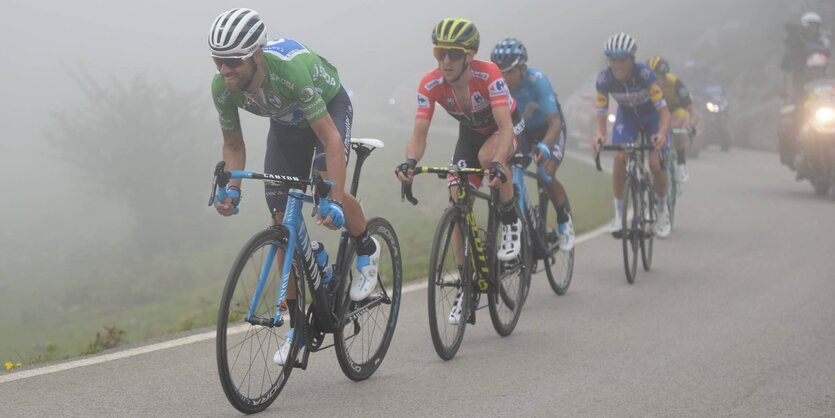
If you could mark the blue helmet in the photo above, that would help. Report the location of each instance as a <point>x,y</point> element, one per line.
<point>620,45</point>
<point>509,53</point>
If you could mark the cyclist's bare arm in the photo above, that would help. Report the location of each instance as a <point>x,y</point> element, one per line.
<point>664,123</point>
<point>416,145</point>
<point>329,136</point>
<point>234,153</point>
<point>504,122</point>
<point>694,115</point>
<point>601,131</point>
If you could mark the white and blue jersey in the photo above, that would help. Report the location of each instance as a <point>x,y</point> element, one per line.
<point>638,98</point>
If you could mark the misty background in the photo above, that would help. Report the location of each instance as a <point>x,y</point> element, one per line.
<point>110,136</point>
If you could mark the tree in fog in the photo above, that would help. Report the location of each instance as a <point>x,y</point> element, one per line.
<point>144,142</point>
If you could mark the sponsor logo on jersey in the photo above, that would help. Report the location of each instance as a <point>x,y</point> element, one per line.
<point>633,98</point>
<point>287,83</point>
<point>274,100</point>
<point>450,103</point>
<point>682,92</point>
<point>646,73</point>
<point>423,101</point>
<point>307,94</point>
<point>655,93</point>
<point>434,83</point>
<point>497,88</point>
<point>320,71</point>
<point>478,101</point>
<point>479,74</point>
<point>602,101</point>
<point>285,49</point>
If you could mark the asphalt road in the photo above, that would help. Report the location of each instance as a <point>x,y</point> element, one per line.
<point>737,318</point>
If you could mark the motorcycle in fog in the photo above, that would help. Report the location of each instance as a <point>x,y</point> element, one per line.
<point>815,158</point>
<point>713,104</point>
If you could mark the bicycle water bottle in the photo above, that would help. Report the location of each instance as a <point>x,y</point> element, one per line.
<point>321,256</point>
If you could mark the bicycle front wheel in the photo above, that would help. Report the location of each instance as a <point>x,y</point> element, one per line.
<point>510,280</point>
<point>558,264</point>
<point>449,285</point>
<point>631,229</point>
<point>672,190</point>
<point>649,217</point>
<point>367,327</point>
<point>247,335</point>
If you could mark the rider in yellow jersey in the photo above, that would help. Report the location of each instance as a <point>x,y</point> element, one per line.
<point>683,113</point>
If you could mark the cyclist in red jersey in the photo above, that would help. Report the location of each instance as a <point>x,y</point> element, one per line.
<point>474,93</point>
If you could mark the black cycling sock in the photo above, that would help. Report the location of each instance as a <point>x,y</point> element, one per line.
<point>292,306</point>
<point>681,157</point>
<point>507,213</point>
<point>562,214</point>
<point>365,245</point>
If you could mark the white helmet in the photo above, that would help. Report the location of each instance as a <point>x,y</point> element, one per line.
<point>620,45</point>
<point>810,17</point>
<point>237,33</point>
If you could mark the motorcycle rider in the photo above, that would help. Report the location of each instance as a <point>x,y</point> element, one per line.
<point>798,71</point>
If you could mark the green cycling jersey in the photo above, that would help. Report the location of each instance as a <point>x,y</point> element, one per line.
<point>297,87</point>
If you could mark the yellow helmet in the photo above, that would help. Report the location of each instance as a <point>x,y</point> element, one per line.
<point>456,31</point>
<point>658,65</point>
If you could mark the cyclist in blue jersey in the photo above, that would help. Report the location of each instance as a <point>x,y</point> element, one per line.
<point>640,105</point>
<point>543,122</point>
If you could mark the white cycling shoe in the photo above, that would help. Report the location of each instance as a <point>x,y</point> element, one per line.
<point>566,232</point>
<point>662,227</point>
<point>457,309</point>
<point>511,241</point>
<point>284,349</point>
<point>616,226</point>
<point>682,175</point>
<point>365,280</point>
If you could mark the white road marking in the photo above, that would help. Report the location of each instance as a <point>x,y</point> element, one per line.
<point>74,364</point>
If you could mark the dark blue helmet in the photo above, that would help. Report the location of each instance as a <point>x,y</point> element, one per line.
<point>509,53</point>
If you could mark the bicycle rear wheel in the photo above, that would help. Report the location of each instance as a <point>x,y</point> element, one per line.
<point>648,219</point>
<point>250,378</point>
<point>367,327</point>
<point>558,264</point>
<point>448,290</point>
<point>631,230</point>
<point>509,279</point>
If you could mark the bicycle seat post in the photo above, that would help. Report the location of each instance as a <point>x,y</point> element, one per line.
<point>363,148</point>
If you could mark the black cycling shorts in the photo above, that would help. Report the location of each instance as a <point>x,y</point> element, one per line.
<point>290,149</point>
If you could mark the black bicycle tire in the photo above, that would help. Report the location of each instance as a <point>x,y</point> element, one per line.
<point>506,328</point>
<point>648,237</point>
<point>629,233</point>
<point>385,234</point>
<point>450,217</point>
<point>241,402</point>
<point>560,288</point>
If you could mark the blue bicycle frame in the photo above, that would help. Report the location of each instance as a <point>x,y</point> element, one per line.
<point>293,223</point>
<point>519,174</point>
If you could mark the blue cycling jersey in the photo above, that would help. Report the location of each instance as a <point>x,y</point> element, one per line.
<point>639,97</point>
<point>536,88</point>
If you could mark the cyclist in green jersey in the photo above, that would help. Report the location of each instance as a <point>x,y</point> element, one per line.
<point>310,123</point>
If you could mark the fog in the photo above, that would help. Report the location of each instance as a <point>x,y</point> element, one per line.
<point>59,208</point>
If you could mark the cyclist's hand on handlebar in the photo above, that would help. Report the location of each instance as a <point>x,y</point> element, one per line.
<point>330,214</point>
<point>659,141</point>
<point>227,200</point>
<point>596,142</point>
<point>496,174</point>
<point>405,172</point>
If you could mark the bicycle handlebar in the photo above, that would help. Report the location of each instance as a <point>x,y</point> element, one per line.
<point>628,147</point>
<point>321,187</point>
<point>406,188</point>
